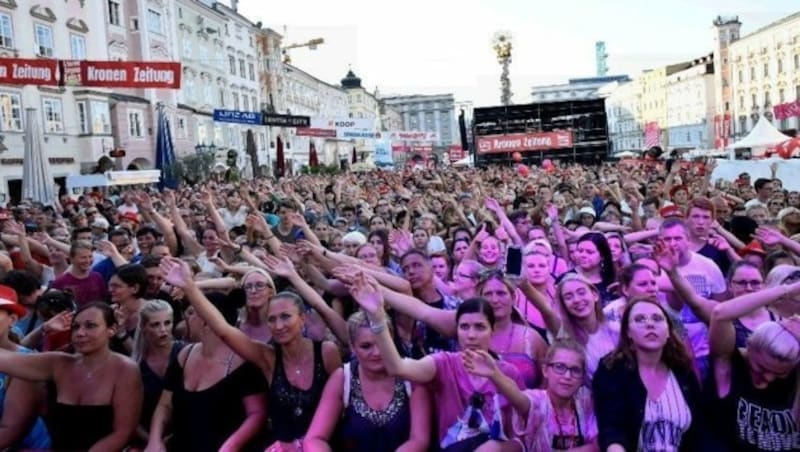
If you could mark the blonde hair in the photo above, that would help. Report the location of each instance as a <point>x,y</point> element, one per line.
<point>244,312</point>
<point>357,321</point>
<point>775,340</point>
<point>149,308</point>
<point>569,327</point>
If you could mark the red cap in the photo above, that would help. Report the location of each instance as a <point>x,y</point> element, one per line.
<point>670,211</point>
<point>753,247</point>
<point>129,216</point>
<point>8,301</point>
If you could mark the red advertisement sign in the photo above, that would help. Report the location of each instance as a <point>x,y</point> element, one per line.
<point>312,132</point>
<point>455,152</point>
<point>787,110</point>
<point>401,148</point>
<point>722,131</point>
<point>17,71</point>
<point>123,74</point>
<point>524,142</point>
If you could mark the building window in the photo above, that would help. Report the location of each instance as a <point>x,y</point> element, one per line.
<point>235,97</point>
<point>135,124</point>
<point>202,53</point>
<point>77,46</point>
<point>797,62</point>
<point>154,21</point>
<point>766,69</point>
<point>780,66</point>
<point>752,73</point>
<point>222,97</point>
<point>219,139</point>
<point>100,117</point>
<point>6,32</point>
<point>114,17</point>
<point>241,69</point>
<point>238,31</point>
<point>755,101</point>
<point>245,103</point>
<point>83,118</point>
<point>781,96</point>
<point>187,47</point>
<point>53,118</point>
<point>232,64</point>
<point>181,132</point>
<point>767,99</point>
<point>254,102</point>
<point>252,71</point>
<point>44,40</point>
<point>741,76</point>
<point>208,93</point>
<point>10,112</point>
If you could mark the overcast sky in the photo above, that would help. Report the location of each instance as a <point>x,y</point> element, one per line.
<point>444,46</point>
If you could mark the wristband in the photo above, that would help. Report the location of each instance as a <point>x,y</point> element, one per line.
<point>377,328</point>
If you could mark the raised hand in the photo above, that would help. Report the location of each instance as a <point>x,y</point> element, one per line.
<point>175,272</point>
<point>552,212</point>
<point>367,294</point>
<point>219,264</point>
<point>501,234</point>
<point>491,204</point>
<point>666,257</point>
<point>719,242</point>
<point>479,362</point>
<point>107,248</point>
<point>399,242</point>
<point>14,228</point>
<point>256,222</point>
<point>279,266</point>
<point>297,220</point>
<point>768,236</point>
<point>482,234</point>
<point>59,323</point>
<point>169,198</point>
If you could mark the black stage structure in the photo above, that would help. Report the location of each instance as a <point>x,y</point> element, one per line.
<point>586,119</point>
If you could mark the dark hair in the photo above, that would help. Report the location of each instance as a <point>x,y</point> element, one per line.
<point>760,182</point>
<point>77,231</point>
<point>144,230</point>
<point>607,270</point>
<point>386,252</point>
<point>739,264</point>
<point>674,355</point>
<point>225,305</point>
<point>54,301</point>
<point>120,232</point>
<point>670,223</point>
<point>629,271</point>
<point>476,305</point>
<point>412,252</point>
<point>651,200</point>
<point>515,215</point>
<point>22,281</point>
<point>773,258</point>
<point>104,308</point>
<point>150,261</point>
<point>455,231</point>
<point>134,275</point>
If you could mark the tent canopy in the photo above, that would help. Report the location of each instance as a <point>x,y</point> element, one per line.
<point>764,134</point>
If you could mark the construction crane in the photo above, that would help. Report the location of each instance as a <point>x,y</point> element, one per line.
<point>311,44</point>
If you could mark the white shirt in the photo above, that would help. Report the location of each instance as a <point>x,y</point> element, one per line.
<point>666,419</point>
<point>707,280</point>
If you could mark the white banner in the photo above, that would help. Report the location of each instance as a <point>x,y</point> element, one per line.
<point>342,124</point>
<point>788,171</point>
<point>410,135</point>
<point>383,154</point>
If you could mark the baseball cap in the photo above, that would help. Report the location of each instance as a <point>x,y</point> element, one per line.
<point>587,211</point>
<point>670,211</point>
<point>9,302</point>
<point>100,223</point>
<point>129,216</point>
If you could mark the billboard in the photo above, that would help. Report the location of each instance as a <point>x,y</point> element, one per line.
<point>519,142</point>
<point>122,74</point>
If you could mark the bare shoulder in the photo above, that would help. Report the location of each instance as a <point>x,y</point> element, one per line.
<point>331,356</point>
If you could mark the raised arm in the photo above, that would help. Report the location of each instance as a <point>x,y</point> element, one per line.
<point>189,242</point>
<point>481,363</point>
<point>31,366</point>
<point>177,273</point>
<point>328,413</point>
<point>551,318</point>
<point>367,294</point>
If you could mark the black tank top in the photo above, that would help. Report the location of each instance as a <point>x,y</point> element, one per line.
<point>291,408</point>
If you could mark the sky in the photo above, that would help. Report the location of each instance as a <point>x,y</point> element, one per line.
<point>444,46</point>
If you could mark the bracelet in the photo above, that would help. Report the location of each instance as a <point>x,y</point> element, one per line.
<point>377,328</point>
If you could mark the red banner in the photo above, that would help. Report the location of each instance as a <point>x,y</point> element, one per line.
<point>455,152</point>
<point>17,71</point>
<point>787,110</point>
<point>123,74</point>
<point>524,142</point>
<point>722,131</point>
<point>312,132</point>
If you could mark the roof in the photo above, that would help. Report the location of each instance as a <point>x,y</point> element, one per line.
<point>289,67</point>
<point>780,21</point>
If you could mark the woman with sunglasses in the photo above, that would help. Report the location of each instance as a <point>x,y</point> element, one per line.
<point>363,408</point>
<point>756,389</point>
<point>296,368</point>
<point>471,413</point>
<point>558,417</point>
<point>647,395</point>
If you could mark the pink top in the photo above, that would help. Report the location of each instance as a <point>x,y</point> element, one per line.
<point>452,390</point>
<point>87,290</point>
<point>541,426</point>
<point>528,310</point>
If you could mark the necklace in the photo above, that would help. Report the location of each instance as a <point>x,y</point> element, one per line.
<point>90,373</point>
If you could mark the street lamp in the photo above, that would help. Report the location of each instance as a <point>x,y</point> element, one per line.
<point>501,43</point>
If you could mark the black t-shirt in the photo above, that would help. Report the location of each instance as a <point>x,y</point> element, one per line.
<point>751,419</point>
<point>203,420</point>
<point>719,258</point>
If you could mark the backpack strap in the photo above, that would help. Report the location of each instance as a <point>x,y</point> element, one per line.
<point>346,388</point>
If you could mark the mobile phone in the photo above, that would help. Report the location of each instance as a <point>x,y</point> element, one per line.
<point>514,261</point>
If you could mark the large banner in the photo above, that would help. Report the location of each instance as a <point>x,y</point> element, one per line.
<point>787,110</point>
<point>122,74</point>
<point>342,124</point>
<point>519,142</point>
<point>722,131</point>
<point>18,71</point>
<point>383,154</point>
<point>788,171</point>
<point>410,135</point>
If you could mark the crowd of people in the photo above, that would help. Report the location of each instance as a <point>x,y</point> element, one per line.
<point>568,308</point>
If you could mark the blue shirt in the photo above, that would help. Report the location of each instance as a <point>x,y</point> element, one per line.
<point>38,436</point>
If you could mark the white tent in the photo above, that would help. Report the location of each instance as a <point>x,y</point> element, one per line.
<point>624,154</point>
<point>763,135</point>
<point>466,161</point>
